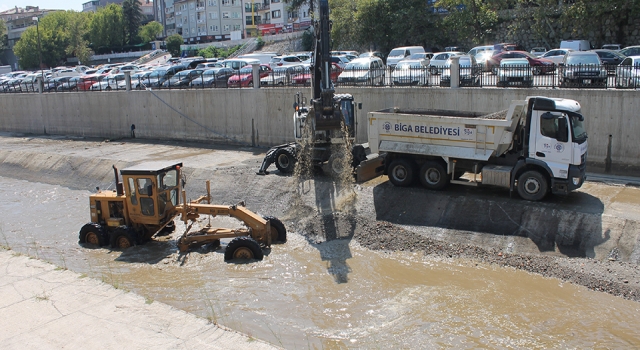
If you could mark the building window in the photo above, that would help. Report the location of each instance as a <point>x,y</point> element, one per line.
<point>192,5</point>
<point>275,14</point>
<point>226,2</point>
<point>226,27</point>
<point>235,15</point>
<point>274,1</point>
<point>193,18</point>
<point>213,2</point>
<point>213,15</point>
<point>236,27</point>
<point>213,28</point>
<point>225,15</point>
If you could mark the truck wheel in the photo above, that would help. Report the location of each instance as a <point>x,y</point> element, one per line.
<point>121,238</point>
<point>358,154</point>
<point>245,248</point>
<point>92,234</point>
<point>278,231</point>
<point>532,185</point>
<point>285,161</point>
<point>401,172</point>
<point>433,176</point>
<point>337,164</point>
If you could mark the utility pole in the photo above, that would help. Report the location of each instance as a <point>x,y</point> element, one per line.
<point>39,47</point>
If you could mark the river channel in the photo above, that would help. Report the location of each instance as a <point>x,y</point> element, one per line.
<point>333,295</point>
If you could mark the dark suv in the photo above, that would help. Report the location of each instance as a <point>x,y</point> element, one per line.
<point>582,69</point>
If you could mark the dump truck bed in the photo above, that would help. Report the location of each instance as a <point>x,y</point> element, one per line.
<point>446,133</point>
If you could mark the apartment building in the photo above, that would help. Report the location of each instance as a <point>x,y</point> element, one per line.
<point>146,6</point>
<point>267,17</point>
<point>18,19</point>
<point>200,20</point>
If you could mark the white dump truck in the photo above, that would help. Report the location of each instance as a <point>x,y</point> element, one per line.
<point>537,146</point>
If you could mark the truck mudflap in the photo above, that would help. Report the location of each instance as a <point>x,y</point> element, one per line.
<point>369,168</point>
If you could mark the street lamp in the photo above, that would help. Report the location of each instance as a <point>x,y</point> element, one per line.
<point>39,47</point>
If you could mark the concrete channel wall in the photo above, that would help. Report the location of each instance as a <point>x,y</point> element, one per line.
<point>263,117</point>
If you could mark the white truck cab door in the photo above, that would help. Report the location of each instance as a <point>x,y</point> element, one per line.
<point>551,141</point>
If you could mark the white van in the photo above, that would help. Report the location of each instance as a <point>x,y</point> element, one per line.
<point>264,57</point>
<point>400,53</point>
<point>577,45</point>
<point>479,49</point>
<point>237,63</point>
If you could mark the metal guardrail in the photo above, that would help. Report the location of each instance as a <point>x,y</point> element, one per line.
<point>581,76</point>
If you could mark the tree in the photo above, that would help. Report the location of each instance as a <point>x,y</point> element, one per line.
<point>132,16</point>
<point>471,18</point>
<point>54,40</point>
<point>150,31</point>
<point>105,29</point>
<point>602,17</point>
<point>173,44</point>
<point>78,31</point>
<point>3,34</point>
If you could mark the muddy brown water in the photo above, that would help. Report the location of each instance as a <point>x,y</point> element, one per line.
<point>332,295</point>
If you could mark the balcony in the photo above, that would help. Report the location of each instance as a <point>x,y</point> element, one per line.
<point>264,7</point>
<point>178,13</point>
<point>200,8</point>
<point>169,9</point>
<point>202,21</point>
<point>179,25</point>
<point>202,33</point>
<point>170,20</point>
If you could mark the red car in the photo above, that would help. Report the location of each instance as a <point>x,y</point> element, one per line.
<point>305,79</point>
<point>85,82</point>
<point>244,77</point>
<point>538,65</point>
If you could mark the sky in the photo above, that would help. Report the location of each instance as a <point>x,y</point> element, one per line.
<point>75,5</point>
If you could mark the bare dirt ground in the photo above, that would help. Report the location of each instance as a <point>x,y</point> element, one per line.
<point>375,214</point>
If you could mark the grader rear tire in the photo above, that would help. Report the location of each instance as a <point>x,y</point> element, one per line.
<point>278,231</point>
<point>121,238</point>
<point>243,248</point>
<point>92,234</point>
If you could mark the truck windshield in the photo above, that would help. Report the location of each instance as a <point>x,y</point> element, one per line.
<point>577,127</point>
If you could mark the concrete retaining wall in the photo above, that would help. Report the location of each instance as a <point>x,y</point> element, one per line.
<point>263,117</point>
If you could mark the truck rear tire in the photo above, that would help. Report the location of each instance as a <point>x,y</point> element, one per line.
<point>285,161</point>
<point>532,186</point>
<point>433,176</point>
<point>402,172</point>
<point>245,248</point>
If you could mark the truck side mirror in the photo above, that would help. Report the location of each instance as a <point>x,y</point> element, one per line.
<point>563,131</point>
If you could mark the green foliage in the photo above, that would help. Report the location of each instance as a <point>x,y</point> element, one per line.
<point>259,42</point>
<point>150,31</point>
<point>212,51</point>
<point>476,19</point>
<point>78,31</point>
<point>58,32</point>
<point>132,17</point>
<point>3,34</point>
<point>307,40</point>
<point>173,44</point>
<point>106,28</point>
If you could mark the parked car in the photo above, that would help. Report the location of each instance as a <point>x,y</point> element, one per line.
<point>162,74</point>
<point>182,78</point>
<point>515,71</point>
<point>628,73</point>
<point>305,77</point>
<point>244,78</point>
<point>368,71</point>
<point>556,55</point>
<point>439,60</point>
<point>128,68</point>
<point>373,53</point>
<point>237,63</point>
<point>52,84</point>
<point>577,45</point>
<point>208,65</point>
<point>214,77</point>
<point>288,60</point>
<point>582,68</point>
<point>483,57</point>
<point>400,53</point>
<point>479,49</point>
<point>108,83</point>
<point>538,51</point>
<point>425,57</point>
<point>631,51</point>
<point>539,65</point>
<point>409,72</point>
<point>137,81</point>
<point>469,72</point>
<point>614,47</point>
<point>70,85</point>
<point>340,60</point>
<point>610,59</point>
<point>281,76</point>
<point>85,82</point>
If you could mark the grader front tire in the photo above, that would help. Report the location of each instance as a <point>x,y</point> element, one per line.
<point>243,248</point>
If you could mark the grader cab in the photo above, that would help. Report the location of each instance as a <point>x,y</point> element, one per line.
<point>146,202</point>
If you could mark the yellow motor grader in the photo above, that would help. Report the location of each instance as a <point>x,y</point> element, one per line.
<point>148,199</point>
